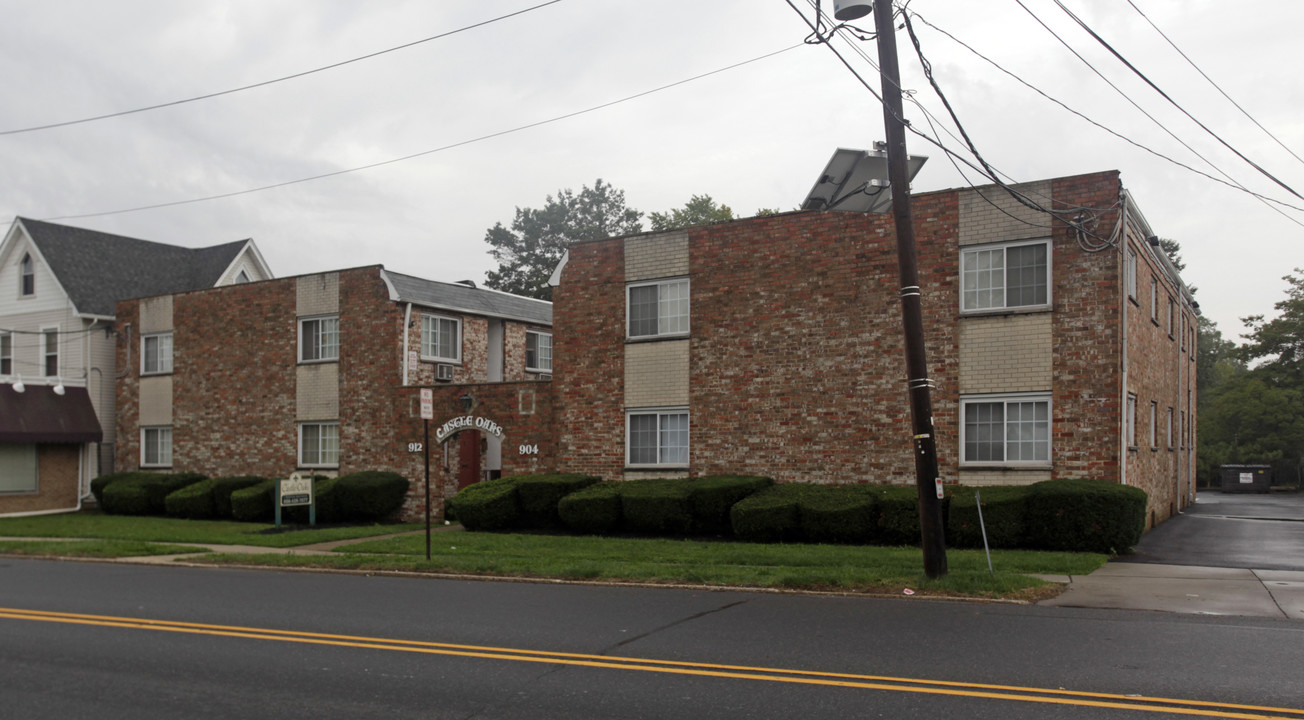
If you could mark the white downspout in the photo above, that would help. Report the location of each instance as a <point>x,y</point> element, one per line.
<point>1123,309</point>
<point>407,324</point>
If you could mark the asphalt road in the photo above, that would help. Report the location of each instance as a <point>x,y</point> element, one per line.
<point>1230,530</point>
<point>98,640</point>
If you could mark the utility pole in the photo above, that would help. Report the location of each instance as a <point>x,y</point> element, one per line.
<point>927,481</point>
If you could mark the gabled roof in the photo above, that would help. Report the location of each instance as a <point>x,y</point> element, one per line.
<point>98,269</point>
<point>464,298</point>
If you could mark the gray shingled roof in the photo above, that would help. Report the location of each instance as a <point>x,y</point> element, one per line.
<point>99,269</point>
<point>475,301</point>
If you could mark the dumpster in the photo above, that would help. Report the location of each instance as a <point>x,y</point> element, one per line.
<point>1246,478</point>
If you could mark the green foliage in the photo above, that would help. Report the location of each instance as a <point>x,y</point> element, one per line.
<point>255,503</point>
<point>144,493</point>
<point>489,505</point>
<point>898,518</point>
<point>367,496</point>
<point>657,507</point>
<point>529,252</point>
<point>1279,343</point>
<point>712,497</point>
<point>224,486</point>
<point>1085,516</point>
<point>99,483</point>
<point>539,495</point>
<point>771,515</point>
<point>193,501</point>
<point>595,510</point>
<point>699,210</point>
<point>839,514</point>
<point>1004,509</point>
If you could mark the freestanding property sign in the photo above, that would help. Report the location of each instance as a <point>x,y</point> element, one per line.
<point>295,491</point>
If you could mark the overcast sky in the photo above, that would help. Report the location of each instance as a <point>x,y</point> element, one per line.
<point>754,136</point>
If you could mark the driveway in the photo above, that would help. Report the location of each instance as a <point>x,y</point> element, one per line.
<point>1229,554</point>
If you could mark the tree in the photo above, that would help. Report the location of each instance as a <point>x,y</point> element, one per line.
<point>1173,250</point>
<point>699,210</point>
<point>1279,342</point>
<point>528,253</point>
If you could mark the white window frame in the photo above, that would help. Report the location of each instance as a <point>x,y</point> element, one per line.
<point>539,365</point>
<point>429,349</point>
<point>325,457</point>
<point>162,363</point>
<point>1131,420</point>
<point>163,456</point>
<point>1154,299</point>
<point>1006,399</point>
<point>1004,305</point>
<point>6,353</point>
<point>46,334</point>
<point>1154,424</point>
<point>662,450</point>
<point>26,269</point>
<point>18,462</point>
<point>325,352</point>
<point>1131,272</point>
<point>669,325</point>
<point>1172,318</point>
<point>1171,439</point>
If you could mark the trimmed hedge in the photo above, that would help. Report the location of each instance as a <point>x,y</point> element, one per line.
<point>143,493</point>
<point>898,514</point>
<point>224,486</point>
<point>193,502</point>
<point>1004,512</point>
<point>839,514</point>
<point>595,510</point>
<point>487,505</point>
<point>657,507</point>
<point>366,496</point>
<point>101,482</point>
<point>1085,516</point>
<point>255,503</point>
<point>539,495</point>
<point>712,497</point>
<point>771,515</point>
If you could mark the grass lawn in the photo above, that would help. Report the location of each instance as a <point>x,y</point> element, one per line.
<point>90,548</point>
<point>840,568</point>
<point>95,524</point>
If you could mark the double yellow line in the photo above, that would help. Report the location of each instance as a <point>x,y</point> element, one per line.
<point>738,672</point>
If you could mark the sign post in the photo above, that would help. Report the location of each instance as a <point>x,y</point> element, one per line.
<point>427,413</point>
<point>293,492</point>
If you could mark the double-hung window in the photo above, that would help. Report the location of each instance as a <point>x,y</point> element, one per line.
<point>26,277</point>
<point>658,309</point>
<point>998,277</point>
<point>441,338</point>
<point>656,437</point>
<point>50,350</point>
<point>156,446</point>
<point>538,352</point>
<point>1008,429</point>
<point>156,354</point>
<point>1131,273</point>
<point>18,468</point>
<point>319,444</point>
<point>319,339</point>
<point>6,354</point>
<point>1131,420</point>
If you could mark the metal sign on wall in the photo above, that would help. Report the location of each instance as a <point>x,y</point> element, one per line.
<point>468,422</point>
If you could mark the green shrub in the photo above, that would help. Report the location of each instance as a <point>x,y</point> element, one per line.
<point>489,505</point>
<point>595,510</point>
<point>657,507</point>
<point>845,514</point>
<point>224,486</point>
<point>194,502</point>
<point>101,482</point>
<point>369,495</point>
<point>144,493</point>
<point>539,495</point>
<point>255,503</point>
<point>898,514</point>
<point>1004,509</point>
<point>712,497</point>
<point>771,515</point>
<point>1085,516</point>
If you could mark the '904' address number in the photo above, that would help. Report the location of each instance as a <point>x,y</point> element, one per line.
<point>529,449</point>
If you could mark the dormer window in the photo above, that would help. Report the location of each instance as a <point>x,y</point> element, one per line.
<point>27,277</point>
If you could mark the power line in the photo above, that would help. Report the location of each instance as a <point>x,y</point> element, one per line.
<point>423,153</point>
<point>1173,102</point>
<point>1211,82</point>
<point>265,83</point>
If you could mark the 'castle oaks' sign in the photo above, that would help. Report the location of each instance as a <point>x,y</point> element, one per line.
<point>468,422</point>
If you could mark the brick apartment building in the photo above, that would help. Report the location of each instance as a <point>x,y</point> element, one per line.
<point>773,346</point>
<point>320,373</point>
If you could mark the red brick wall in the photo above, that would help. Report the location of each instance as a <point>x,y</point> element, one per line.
<point>57,485</point>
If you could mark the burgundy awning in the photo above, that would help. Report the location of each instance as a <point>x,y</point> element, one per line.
<point>39,415</point>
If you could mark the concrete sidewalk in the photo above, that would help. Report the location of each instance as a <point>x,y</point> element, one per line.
<point>1188,589</point>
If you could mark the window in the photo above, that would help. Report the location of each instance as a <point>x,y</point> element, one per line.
<point>1154,300</point>
<point>26,277</point>
<point>241,278</point>
<point>441,338</point>
<point>319,444</point>
<point>1170,429</point>
<point>1172,318</point>
<point>1131,273</point>
<point>538,352</point>
<point>50,349</point>
<point>1182,332</point>
<point>18,469</point>
<point>156,447</point>
<point>1131,420</point>
<point>658,309</point>
<point>1154,425</point>
<point>1007,429</point>
<point>6,354</point>
<point>657,437</point>
<point>319,339</point>
<point>1008,276</point>
<point>1181,429</point>
<point>156,353</point>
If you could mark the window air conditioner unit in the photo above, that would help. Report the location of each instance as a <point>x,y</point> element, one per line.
<point>545,376</point>
<point>443,372</point>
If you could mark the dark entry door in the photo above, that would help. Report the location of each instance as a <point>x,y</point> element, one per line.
<point>468,458</point>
